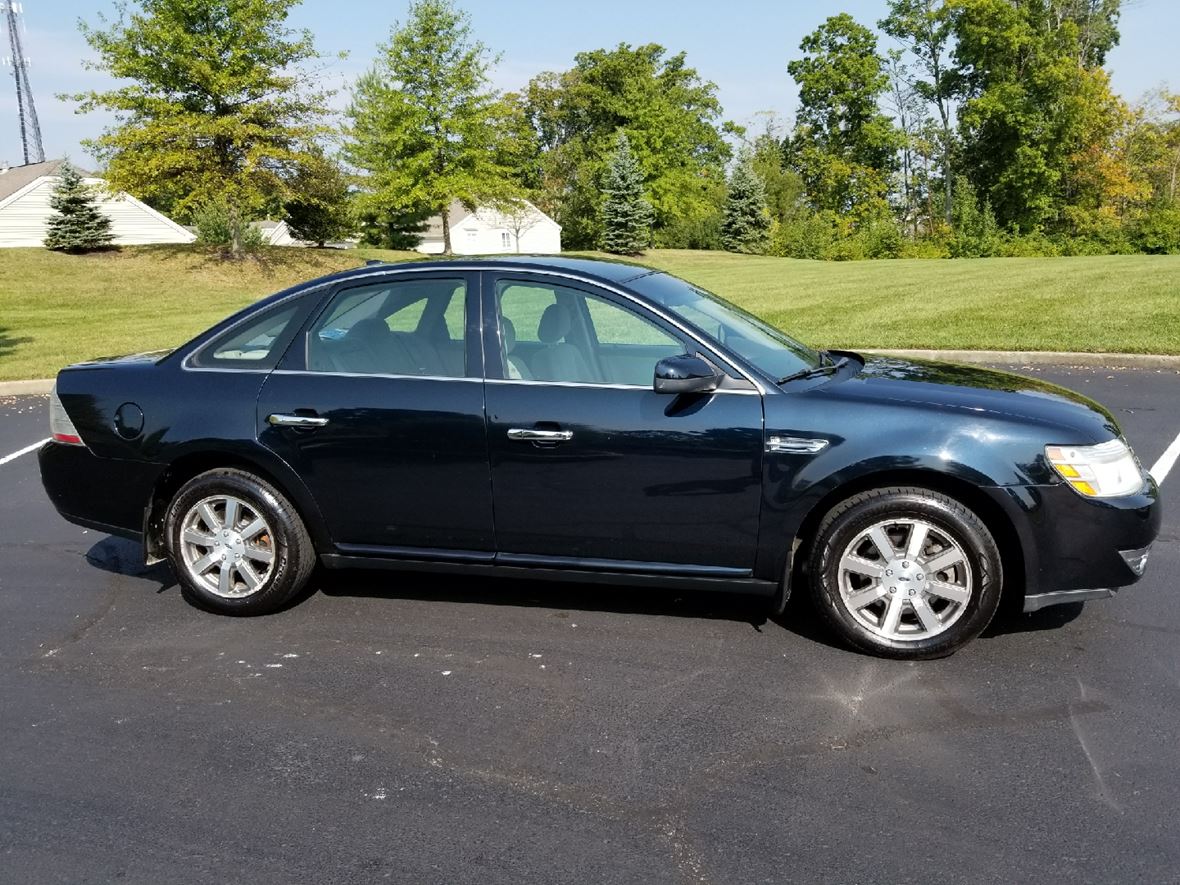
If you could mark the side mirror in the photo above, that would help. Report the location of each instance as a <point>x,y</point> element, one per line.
<point>685,374</point>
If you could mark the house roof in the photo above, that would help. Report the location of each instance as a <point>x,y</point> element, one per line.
<point>434,227</point>
<point>16,177</point>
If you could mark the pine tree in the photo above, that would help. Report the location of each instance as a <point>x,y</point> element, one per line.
<point>627,216</point>
<point>78,224</point>
<point>747,223</point>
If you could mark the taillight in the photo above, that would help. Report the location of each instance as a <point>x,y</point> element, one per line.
<point>61,428</point>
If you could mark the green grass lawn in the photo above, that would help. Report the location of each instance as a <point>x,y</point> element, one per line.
<point>56,309</point>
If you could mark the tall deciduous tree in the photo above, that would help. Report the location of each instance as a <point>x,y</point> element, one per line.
<point>1031,74</point>
<point>626,214</point>
<point>77,223</point>
<point>215,101</point>
<point>671,115</point>
<point>426,128</point>
<point>924,27</point>
<point>747,223</point>
<point>844,146</point>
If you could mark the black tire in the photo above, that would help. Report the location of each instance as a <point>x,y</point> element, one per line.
<point>293,555</point>
<point>948,517</point>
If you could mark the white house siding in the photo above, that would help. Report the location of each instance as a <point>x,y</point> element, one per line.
<point>24,216</point>
<point>484,233</point>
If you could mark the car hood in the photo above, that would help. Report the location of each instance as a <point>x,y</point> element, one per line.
<point>976,390</point>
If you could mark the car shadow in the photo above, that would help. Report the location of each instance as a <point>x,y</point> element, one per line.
<point>124,557</point>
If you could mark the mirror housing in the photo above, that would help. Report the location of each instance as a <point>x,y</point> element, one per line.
<point>685,374</point>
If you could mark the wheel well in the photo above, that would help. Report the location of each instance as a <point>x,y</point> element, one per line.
<point>997,522</point>
<point>181,471</point>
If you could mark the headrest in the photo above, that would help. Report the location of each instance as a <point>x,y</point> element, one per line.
<point>508,332</point>
<point>554,325</point>
<point>370,330</point>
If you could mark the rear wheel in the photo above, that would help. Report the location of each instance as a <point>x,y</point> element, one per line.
<point>905,572</point>
<point>236,544</point>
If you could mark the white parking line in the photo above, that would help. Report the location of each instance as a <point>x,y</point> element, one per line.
<point>1161,467</point>
<point>32,448</point>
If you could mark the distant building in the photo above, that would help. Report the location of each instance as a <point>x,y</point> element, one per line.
<point>25,210</point>
<point>276,233</point>
<point>488,231</point>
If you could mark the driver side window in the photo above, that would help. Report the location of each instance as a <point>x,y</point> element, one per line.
<point>559,334</point>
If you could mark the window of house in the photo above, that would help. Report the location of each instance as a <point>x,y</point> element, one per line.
<point>506,240</point>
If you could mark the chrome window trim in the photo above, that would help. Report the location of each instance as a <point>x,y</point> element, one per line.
<point>604,386</point>
<point>377,375</point>
<point>410,268</point>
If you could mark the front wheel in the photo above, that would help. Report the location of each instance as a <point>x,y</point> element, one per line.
<point>905,572</point>
<point>236,544</point>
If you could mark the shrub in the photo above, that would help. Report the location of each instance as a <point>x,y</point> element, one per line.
<point>215,222</point>
<point>1158,232</point>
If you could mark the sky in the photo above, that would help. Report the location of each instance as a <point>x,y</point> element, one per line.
<point>743,46</point>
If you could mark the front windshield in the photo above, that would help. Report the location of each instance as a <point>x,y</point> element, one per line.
<point>764,346</point>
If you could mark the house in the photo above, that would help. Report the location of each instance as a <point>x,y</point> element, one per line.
<point>25,210</point>
<point>490,231</point>
<point>276,233</point>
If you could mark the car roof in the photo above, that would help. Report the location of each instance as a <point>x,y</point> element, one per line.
<point>609,271</point>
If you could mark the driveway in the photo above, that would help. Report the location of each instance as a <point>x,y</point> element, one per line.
<point>414,729</point>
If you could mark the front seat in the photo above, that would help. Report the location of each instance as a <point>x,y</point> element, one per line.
<point>516,368</point>
<point>558,360</point>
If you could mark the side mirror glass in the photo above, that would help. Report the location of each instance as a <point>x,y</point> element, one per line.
<point>685,374</point>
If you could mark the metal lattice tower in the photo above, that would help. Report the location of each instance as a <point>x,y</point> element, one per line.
<point>30,129</point>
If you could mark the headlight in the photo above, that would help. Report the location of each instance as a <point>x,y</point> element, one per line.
<point>1103,471</point>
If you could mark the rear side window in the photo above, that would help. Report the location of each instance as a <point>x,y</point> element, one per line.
<point>257,343</point>
<point>398,327</point>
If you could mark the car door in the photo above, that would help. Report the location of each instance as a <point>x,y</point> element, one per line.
<point>379,407</point>
<point>590,467</point>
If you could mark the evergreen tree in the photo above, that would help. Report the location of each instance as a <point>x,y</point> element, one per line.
<point>747,223</point>
<point>78,224</point>
<point>627,216</point>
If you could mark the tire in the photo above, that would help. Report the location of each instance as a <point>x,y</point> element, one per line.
<point>253,565</point>
<point>891,602</point>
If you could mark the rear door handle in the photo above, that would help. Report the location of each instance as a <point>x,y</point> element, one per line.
<point>551,436</point>
<point>304,421</point>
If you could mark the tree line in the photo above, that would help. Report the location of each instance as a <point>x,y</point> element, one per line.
<point>952,128</point>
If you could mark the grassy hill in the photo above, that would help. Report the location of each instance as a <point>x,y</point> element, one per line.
<point>56,309</point>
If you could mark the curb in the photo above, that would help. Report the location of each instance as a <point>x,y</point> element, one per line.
<point>26,388</point>
<point>987,357</point>
<point>1042,358</point>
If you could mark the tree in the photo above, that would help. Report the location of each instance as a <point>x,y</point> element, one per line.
<point>218,103</point>
<point>747,223</point>
<point>77,223</point>
<point>320,209</point>
<point>924,28</point>
<point>843,146</point>
<point>627,216</point>
<point>1032,93</point>
<point>426,129</point>
<point>519,216</point>
<point>671,116</point>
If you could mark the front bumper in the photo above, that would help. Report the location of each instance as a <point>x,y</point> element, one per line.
<point>1079,548</point>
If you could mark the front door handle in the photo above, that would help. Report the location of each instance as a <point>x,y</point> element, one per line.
<point>550,436</point>
<point>305,421</point>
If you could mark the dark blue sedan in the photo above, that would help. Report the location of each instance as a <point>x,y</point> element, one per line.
<point>596,421</point>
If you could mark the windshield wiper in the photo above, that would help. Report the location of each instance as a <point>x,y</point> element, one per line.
<point>815,371</point>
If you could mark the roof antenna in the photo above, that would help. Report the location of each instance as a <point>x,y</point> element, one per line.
<point>30,128</point>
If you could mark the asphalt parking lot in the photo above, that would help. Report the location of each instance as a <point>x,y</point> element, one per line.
<point>395,728</point>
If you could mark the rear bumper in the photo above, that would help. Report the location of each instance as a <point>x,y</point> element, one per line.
<point>1079,548</point>
<point>106,494</point>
